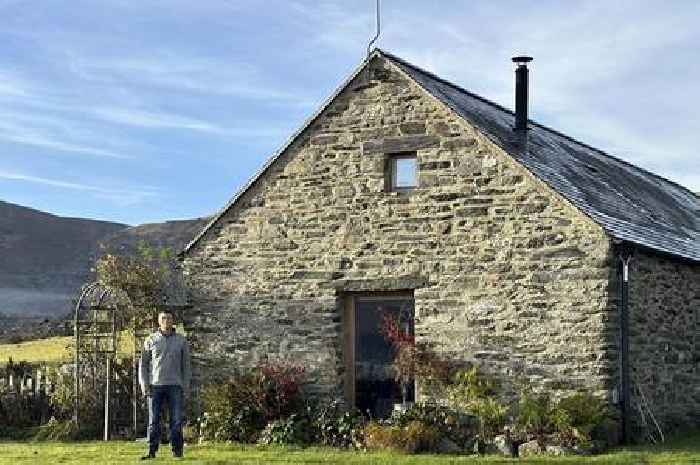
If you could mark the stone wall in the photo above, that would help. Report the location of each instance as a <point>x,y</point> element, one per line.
<point>664,313</point>
<point>505,272</point>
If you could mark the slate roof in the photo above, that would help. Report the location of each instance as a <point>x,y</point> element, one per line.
<point>630,203</point>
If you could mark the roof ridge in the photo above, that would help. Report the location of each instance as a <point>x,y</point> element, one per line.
<point>546,128</point>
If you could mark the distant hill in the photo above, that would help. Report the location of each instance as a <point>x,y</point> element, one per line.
<point>174,234</point>
<point>44,258</point>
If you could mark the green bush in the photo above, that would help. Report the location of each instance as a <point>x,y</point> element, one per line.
<point>336,426</point>
<point>573,419</point>
<point>451,423</point>
<point>586,416</point>
<point>414,437</point>
<point>91,406</point>
<point>226,424</point>
<point>538,416</point>
<point>295,429</point>
<point>476,394</point>
<point>22,411</point>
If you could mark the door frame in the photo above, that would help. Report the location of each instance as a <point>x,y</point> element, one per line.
<point>350,300</point>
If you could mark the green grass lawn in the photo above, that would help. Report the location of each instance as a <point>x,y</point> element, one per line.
<point>53,350</point>
<point>49,350</point>
<point>685,450</point>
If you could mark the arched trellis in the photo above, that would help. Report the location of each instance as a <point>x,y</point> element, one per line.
<point>95,333</point>
<point>101,316</point>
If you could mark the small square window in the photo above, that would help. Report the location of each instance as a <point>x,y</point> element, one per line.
<point>403,172</point>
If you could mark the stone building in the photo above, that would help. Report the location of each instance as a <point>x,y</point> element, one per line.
<point>499,241</point>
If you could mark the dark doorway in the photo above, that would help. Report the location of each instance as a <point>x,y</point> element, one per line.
<point>376,390</point>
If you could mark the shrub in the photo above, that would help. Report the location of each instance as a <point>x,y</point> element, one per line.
<point>16,339</point>
<point>411,360</point>
<point>15,434</point>
<point>20,410</point>
<point>336,426</point>
<point>243,425</point>
<point>240,408</point>
<point>573,419</point>
<point>414,437</point>
<point>584,415</point>
<point>476,394</point>
<point>538,416</point>
<point>295,429</point>
<point>91,406</point>
<point>281,389</point>
<point>450,423</point>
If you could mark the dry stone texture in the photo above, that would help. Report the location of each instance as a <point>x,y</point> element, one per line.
<point>665,338</point>
<point>505,272</point>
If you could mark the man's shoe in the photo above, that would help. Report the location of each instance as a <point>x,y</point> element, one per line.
<point>148,457</point>
<point>177,455</point>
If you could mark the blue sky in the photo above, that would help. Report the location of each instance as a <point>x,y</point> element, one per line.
<point>142,111</point>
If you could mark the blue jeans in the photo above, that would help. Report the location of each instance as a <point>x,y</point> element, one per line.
<point>172,394</point>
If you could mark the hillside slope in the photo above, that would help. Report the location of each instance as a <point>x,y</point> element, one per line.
<point>173,234</point>
<point>45,258</point>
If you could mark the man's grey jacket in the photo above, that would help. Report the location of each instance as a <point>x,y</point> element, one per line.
<point>165,360</point>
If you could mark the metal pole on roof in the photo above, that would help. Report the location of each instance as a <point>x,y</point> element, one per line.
<point>376,36</point>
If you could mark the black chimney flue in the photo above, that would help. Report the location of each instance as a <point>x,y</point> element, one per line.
<point>521,90</point>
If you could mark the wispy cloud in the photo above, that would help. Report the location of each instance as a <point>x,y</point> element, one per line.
<point>121,196</point>
<point>172,80</point>
<point>170,70</point>
<point>147,119</point>
<point>48,138</point>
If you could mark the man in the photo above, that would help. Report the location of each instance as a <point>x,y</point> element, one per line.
<point>164,375</point>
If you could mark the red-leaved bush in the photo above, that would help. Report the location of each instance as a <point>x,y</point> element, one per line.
<point>239,409</point>
<point>390,328</point>
<point>411,360</point>
<point>281,387</point>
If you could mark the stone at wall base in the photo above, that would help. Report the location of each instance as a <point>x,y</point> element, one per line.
<point>529,448</point>
<point>559,450</point>
<point>502,445</point>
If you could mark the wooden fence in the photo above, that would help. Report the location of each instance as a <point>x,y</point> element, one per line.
<point>35,381</point>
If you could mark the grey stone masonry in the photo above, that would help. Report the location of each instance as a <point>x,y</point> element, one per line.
<point>505,272</point>
<point>665,339</point>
